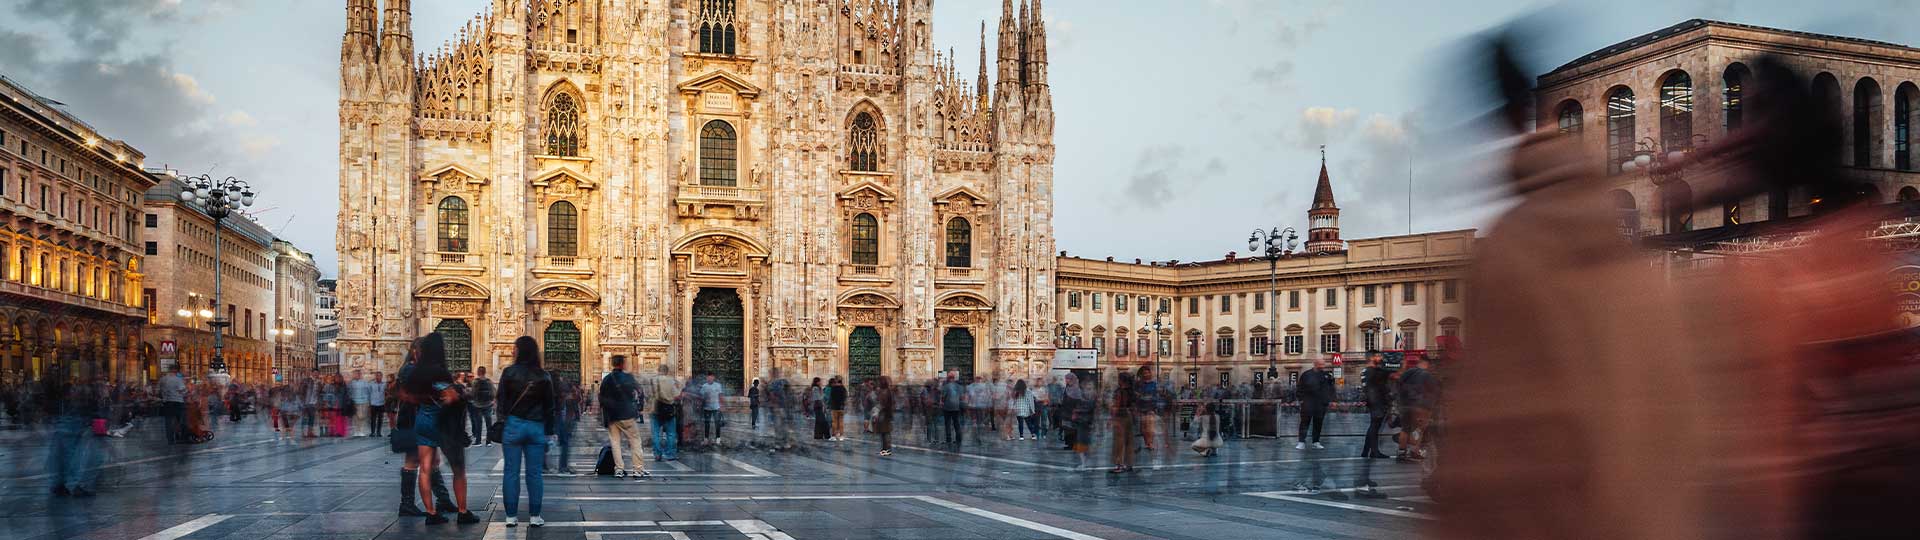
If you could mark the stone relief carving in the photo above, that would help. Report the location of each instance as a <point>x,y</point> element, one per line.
<point>717,255</point>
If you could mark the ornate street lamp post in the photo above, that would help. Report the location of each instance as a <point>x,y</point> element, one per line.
<point>218,198</point>
<point>1272,246</point>
<point>279,346</point>
<point>1153,337</point>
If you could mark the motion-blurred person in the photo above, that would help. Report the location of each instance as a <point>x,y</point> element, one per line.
<point>1571,418</point>
<point>1022,405</point>
<point>359,393</point>
<point>1124,429</point>
<point>620,412</point>
<point>1147,406</point>
<point>567,418</point>
<point>288,405</point>
<point>952,399</point>
<point>1416,393</point>
<point>72,453</point>
<point>817,409</point>
<point>665,390</point>
<point>883,414</point>
<point>439,398</point>
<point>376,404</point>
<point>531,404</point>
<point>1316,395</point>
<point>1079,407</point>
<point>173,402</point>
<point>781,399</point>
<point>1002,407</point>
<point>1376,388</point>
<point>837,409</point>
<point>710,415</point>
<point>1207,430</point>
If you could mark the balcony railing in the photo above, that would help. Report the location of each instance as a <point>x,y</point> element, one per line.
<point>731,193</point>
<point>453,258</point>
<point>866,272</point>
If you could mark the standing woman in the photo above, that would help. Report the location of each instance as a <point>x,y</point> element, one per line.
<point>1123,427</point>
<point>1023,411</point>
<point>432,386</point>
<point>817,406</point>
<point>528,403</point>
<point>883,414</point>
<point>837,409</point>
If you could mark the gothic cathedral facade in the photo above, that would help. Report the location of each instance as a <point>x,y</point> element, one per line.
<point>722,186</point>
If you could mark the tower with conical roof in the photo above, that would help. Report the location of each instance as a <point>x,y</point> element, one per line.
<point>1323,230</point>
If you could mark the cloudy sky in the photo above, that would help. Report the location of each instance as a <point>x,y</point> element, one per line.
<point>1182,124</point>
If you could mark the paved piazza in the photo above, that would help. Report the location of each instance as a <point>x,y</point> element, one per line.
<point>247,485</point>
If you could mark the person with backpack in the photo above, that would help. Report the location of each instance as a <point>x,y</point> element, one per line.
<point>666,415</point>
<point>530,417</point>
<point>620,412</point>
<point>480,415</point>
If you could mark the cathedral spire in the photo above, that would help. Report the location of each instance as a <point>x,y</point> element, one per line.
<point>1009,44</point>
<point>1036,39</point>
<point>361,23</point>
<point>396,29</point>
<point>980,87</point>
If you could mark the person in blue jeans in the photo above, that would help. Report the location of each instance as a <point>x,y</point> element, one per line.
<point>666,415</point>
<point>438,436</point>
<point>71,455</point>
<point>529,402</point>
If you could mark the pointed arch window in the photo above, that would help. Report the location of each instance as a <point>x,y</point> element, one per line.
<point>1676,111</point>
<point>719,155</point>
<point>563,230</point>
<point>453,225</point>
<point>716,27</point>
<point>1619,127</point>
<point>959,243</point>
<point>563,126</point>
<point>866,240</point>
<point>864,143</point>
<point>1905,100</point>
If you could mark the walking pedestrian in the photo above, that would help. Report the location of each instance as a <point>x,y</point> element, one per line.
<point>480,414</point>
<point>530,417</point>
<point>1316,394</point>
<point>1078,405</point>
<point>781,400</point>
<point>1122,408</point>
<point>619,400</point>
<point>1147,406</point>
<point>73,450</point>
<point>362,399</point>
<point>953,397</point>
<point>666,414</point>
<point>980,403</point>
<point>567,418</point>
<point>437,432</point>
<point>883,414</point>
<point>710,414</point>
<point>1002,407</point>
<point>1417,389</point>
<point>173,401</point>
<point>1207,426</point>
<point>1375,385</point>
<point>376,404</point>
<point>1022,405</point>
<point>837,408</point>
<point>753,405</point>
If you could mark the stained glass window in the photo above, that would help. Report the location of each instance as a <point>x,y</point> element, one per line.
<point>866,240</point>
<point>453,225</point>
<point>719,155</point>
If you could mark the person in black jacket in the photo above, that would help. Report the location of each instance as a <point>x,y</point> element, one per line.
<point>1316,394</point>
<point>437,423</point>
<point>837,409</point>
<point>1376,384</point>
<point>529,402</point>
<point>619,411</point>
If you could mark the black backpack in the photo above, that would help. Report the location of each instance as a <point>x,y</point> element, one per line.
<point>604,465</point>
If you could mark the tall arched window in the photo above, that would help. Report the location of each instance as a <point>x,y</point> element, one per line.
<point>1826,93</point>
<point>864,143</point>
<point>866,240</point>
<point>563,230</point>
<point>1676,200</point>
<point>716,27</point>
<point>1570,113</point>
<point>1619,127</point>
<point>719,155</point>
<point>1733,96</point>
<point>1867,124</point>
<point>563,126</point>
<point>1676,111</point>
<point>959,243</point>
<point>1906,101</point>
<point>453,225</point>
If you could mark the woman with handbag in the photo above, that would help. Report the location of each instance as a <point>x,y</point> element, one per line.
<point>431,384</point>
<point>525,421</point>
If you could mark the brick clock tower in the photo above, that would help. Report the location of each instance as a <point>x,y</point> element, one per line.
<point>1323,231</point>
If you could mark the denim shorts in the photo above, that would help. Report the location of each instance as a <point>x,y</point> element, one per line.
<point>425,431</point>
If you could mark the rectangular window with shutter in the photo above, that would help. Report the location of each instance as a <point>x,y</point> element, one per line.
<point>1407,294</point>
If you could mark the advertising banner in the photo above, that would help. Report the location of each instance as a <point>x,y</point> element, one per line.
<point>1906,288</point>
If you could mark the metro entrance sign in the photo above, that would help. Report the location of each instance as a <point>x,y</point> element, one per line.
<point>169,356</point>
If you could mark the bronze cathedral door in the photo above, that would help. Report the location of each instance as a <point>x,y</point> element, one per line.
<point>718,343</point>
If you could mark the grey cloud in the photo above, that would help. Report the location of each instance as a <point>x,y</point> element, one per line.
<point>1158,169</point>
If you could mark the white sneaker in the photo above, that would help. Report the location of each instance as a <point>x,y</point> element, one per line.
<point>1299,446</point>
<point>512,522</point>
<point>619,474</point>
<point>537,521</point>
<point>1318,446</point>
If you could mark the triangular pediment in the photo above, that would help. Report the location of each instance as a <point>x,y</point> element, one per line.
<point>960,195</point>
<point>563,176</point>
<point>720,80</point>
<point>451,172</point>
<point>878,191</point>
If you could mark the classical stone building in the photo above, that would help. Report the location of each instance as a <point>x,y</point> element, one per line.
<point>179,293</point>
<point>1216,319</point>
<point>1677,87</point>
<point>295,308</point>
<point>729,186</point>
<point>70,264</point>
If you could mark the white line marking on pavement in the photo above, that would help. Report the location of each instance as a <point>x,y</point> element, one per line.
<point>773,534</point>
<point>744,465</point>
<point>1288,496</point>
<point>675,535</point>
<point>1067,468</point>
<point>183,529</point>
